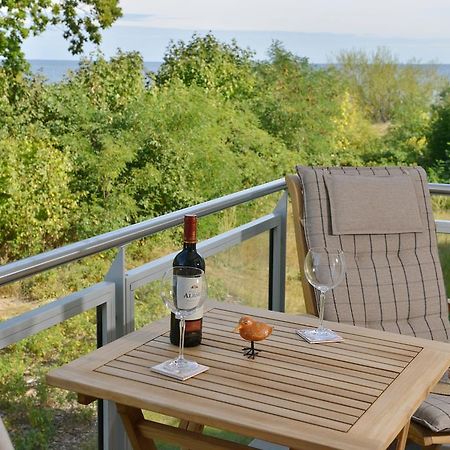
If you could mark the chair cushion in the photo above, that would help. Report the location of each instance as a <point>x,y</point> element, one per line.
<point>434,413</point>
<point>393,281</point>
<point>372,205</point>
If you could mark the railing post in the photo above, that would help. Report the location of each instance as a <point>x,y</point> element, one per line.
<point>124,305</point>
<point>112,435</point>
<point>107,414</point>
<point>277,263</point>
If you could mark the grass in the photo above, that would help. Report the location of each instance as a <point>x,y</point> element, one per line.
<point>31,409</point>
<point>40,417</point>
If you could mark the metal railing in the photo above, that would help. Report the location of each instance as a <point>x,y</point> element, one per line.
<point>114,297</point>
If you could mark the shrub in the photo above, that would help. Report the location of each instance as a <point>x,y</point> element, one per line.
<point>36,204</point>
<point>387,90</point>
<point>438,156</point>
<point>210,64</point>
<point>297,104</point>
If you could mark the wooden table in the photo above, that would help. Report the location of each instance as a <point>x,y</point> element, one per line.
<point>353,395</point>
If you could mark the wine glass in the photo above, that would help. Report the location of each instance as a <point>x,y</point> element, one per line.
<point>324,270</point>
<point>183,291</point>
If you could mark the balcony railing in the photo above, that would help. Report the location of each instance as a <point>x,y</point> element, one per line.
<point>113,298</point>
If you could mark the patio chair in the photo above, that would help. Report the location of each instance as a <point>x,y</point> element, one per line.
<point>5,441</point>
<point>381,218</point>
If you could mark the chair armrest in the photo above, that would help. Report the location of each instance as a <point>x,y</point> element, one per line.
<point>441,388</point>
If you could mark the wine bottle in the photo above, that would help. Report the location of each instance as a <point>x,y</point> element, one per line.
<point>188,257</point>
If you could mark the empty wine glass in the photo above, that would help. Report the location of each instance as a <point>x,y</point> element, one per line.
<point>324,270</point>
<point>183,291</point>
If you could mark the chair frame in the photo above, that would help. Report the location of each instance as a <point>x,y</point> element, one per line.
<point>417,433</point>
<point>296,194</point>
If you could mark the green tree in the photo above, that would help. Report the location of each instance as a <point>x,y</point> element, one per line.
<point>210,64</point>
<point>36,205</point>
<point>298,104</point>
<point>354,135</point>
<point>92,117</point>
<point>81,20</point>
<point>194,146</point>
<point>386,89</point>
<point>438,156</point>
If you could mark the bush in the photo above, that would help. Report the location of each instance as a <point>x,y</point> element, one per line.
<point>195,146</point>
<point>297,104</point>
<point>105,148</point>
<point>36,205</point>
<point>384,88</point>
<point>438,156</point>
<point>209,64</point>
<point>91,117</point>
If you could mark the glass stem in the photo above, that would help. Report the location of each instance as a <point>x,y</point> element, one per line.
<point>182,329</point>
<point>321,309</point>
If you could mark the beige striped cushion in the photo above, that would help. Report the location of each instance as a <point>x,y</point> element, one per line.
<point>393,281</point>
<point>434,413</point>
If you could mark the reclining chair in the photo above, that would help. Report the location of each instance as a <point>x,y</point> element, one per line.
<point>381,218</point>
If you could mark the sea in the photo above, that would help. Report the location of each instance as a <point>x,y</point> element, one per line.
<point>56,70</point>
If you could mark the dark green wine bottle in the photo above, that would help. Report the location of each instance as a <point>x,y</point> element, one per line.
<point>188,257</point>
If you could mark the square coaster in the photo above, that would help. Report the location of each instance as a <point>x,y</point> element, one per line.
<point>311,336</point>
<point>182,376</point>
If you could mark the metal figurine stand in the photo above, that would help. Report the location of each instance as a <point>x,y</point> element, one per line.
<point>251,351</point>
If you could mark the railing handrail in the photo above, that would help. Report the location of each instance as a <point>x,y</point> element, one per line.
<point>439,188</point>
<point>68,253</point>
<point>114,297</point>
<point>53,258</point>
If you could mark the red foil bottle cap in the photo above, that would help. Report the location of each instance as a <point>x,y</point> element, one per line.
<point>190,228</point>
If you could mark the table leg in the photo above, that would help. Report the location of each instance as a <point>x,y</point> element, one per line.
<point>131,418</point>
<point>402,437</point>
<point>191,426</point>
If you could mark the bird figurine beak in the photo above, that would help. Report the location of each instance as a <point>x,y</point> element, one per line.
<point>237,328</point>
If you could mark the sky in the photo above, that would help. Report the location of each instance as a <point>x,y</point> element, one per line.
<point>318,29</point>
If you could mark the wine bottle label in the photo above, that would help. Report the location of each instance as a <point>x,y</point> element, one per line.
<point>188,293</point>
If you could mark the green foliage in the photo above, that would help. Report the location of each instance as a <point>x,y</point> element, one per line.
<point>298,104</point>
<point>194,147</point>
<point>89,115</point>
<point>30,407</point>
<point>355,137</point>
<point>439,138</point>
<point>35,201</point>
<point>106,147</point>
<point>386,89</point>
<point>110,85</point>
<point>210,64</point>
<point>81,22</point>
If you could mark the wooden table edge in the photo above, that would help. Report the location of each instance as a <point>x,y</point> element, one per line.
<point>82,384</point>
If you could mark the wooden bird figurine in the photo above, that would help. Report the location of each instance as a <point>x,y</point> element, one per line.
<point>252,331</point>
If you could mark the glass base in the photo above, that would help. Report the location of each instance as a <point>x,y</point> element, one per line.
<point>318,335</point>
<point>179,368</point>
<point>180,365</point>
